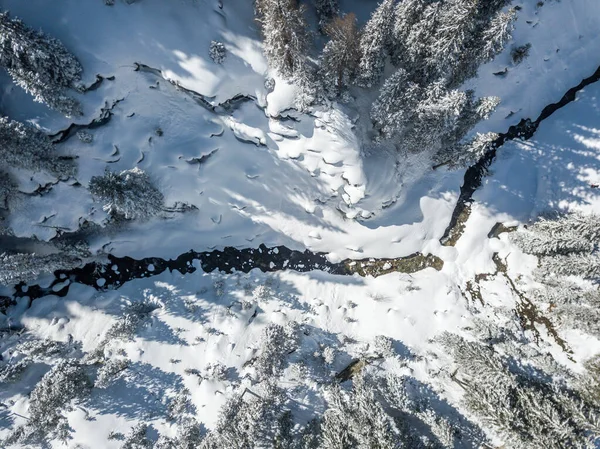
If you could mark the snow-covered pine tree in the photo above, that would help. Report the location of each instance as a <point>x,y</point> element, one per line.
<point>395,108</point>
<point>560,234</point>
<point>451,37</point>
<point>39,64</point>
<point>252,419</point>
<point>432,118</point>
<point>374,44</point>
<point>403,46</point>
<point>458,151</point>
<point>448,39</point>
<point>340,55</point>
<point>357,419</point>
<point>128,194</point>
<point>327,10</point>
<point>526,410</point>
<point>566,245</point>
<point>285,35</point>
<point>65,382</point>
<point>23,146</point>
<point>27,267</point>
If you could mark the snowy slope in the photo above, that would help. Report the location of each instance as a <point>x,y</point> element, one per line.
<point>306,182</point>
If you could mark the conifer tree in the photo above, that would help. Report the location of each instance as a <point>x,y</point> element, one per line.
<point>23,146</point>
<point>340,56</point>
<point>374,44</point>
<point>395,108</point>
<point>128,194</point>
<point>327,10</point>
<point>39,64</point>
<point>285,35</point>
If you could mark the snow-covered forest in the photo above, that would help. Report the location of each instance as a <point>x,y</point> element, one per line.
<point>299,224</point>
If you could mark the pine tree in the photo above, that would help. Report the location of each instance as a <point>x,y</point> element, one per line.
<point>23,146</point>
<point>523,408</point>
<point>395,108</point>
<point>128,194</point>
<point>39,64</point>
<point>448,39</point>
<point>340,55</point>
<point>285,37</point>
<point>374,44</point>
<point>27,267</point>
<point>7,189</point>
<point>432,118</point>
<point>327,10</point>
<point>357,419</point>
<point>251,420</point>
<point>53,394</point>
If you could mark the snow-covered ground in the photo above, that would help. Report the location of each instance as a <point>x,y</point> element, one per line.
<point>305,181</point>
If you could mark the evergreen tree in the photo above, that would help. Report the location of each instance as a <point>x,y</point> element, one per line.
<point>357,419</point>
<point>39,64</point>
<point>285,36</point>
<point>432,118</point>
<point>128,194</point>
<point>27,267</point>
<point>340,56</point>
<point>327,10</point>
<point>251,420</point>
<point>7,189</point>
<point>395,108</point>
<point>54,393</point>
<point>23,146</point>
<point>374,44</point>
<point>448,39</point>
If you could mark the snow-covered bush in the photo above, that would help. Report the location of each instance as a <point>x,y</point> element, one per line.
<point>217,52</point>
<point>384,346</point>
<point>328,355</point>
<point>127,324</point>
<point>12,371</point>
<point>39,64</point>
<point>128,194</point>
<point>520,53</point>
<point>23,146</point>
<point>180,406</point>
<point>85,137</point>
<point>215,371</point>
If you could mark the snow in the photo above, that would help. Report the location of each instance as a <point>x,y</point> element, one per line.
<point>304,180</point>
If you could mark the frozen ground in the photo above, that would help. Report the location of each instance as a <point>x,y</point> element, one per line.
<point>304,182</point>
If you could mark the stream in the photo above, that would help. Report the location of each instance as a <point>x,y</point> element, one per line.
<point>119,270</point>
<point>474,175</point>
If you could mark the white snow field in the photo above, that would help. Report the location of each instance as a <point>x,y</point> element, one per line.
<point>259,172</point>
